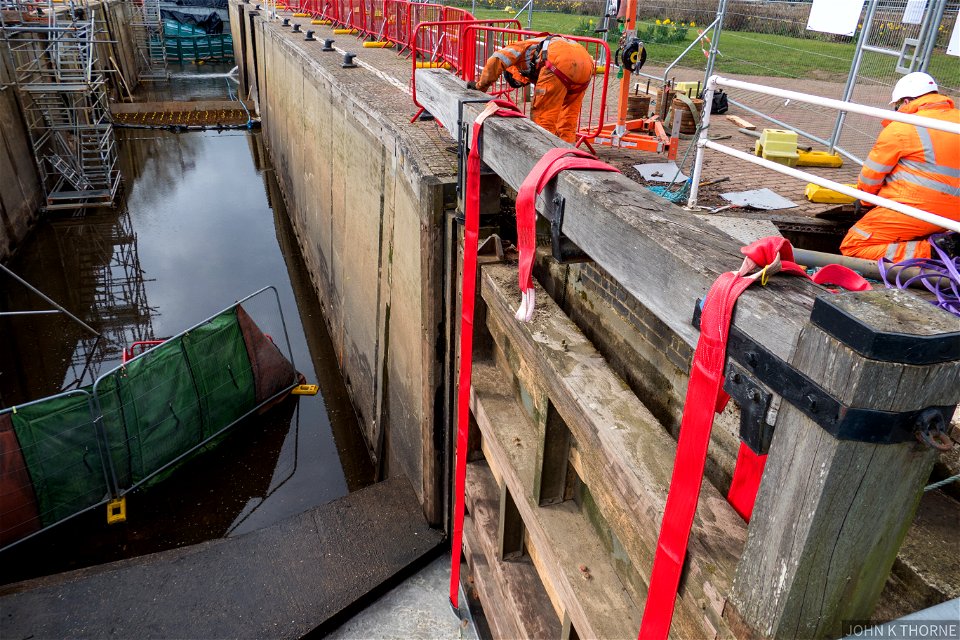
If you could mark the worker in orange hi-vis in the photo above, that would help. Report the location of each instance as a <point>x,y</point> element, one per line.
<point>913,165</point>
<point>559,69</point>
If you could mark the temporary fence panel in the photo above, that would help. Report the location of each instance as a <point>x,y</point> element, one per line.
<point>395,21</point>
<point>68,453</point>
<point>483,41</point>
<point>428,46</point>
<point>358,16</point>
<point>376,19</point>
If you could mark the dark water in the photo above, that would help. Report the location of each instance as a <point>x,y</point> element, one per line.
<point>200,225</point>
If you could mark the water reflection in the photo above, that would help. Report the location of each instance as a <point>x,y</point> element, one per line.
<point>193,233</point>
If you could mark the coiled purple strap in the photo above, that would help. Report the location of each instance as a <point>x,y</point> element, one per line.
<point>940,275</point>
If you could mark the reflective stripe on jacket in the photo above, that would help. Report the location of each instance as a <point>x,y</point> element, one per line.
<point>917,166</point>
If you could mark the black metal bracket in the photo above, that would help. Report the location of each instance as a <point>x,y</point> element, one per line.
<point>463,148</point>
<point>754,401</point>
<point>564,249</point>
<point>761,370</point>
<point>834,315</point>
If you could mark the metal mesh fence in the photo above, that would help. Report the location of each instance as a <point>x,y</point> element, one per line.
<point>768,43</point>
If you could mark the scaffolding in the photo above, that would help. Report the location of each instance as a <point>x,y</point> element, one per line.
<point>149,42</point>
<point>112,289</point>
<point>63,95</point>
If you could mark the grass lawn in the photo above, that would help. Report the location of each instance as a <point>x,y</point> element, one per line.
<point>752,53</point>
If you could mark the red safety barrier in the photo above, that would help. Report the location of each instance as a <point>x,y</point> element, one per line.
<point>490,39</point>
<point>451,36</point>
<point>432,42</point>
<point>358,16</point>
<point>395,22</point>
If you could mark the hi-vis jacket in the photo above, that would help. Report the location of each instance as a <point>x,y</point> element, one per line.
<point>522,61</point>
<point>913,165</point>
<point>916,165</point>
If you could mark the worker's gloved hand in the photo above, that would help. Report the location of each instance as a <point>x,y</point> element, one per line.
<point>860,207</point>
<point>471,85</point>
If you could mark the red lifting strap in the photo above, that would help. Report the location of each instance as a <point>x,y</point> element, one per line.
<point>705,396</point>
<point>503,109</point>
<point>553,162</point>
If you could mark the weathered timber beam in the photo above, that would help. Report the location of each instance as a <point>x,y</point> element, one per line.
<point>662,255</point>
<point>626,454</point>
<point>831,514</point>
<point>560,538</point>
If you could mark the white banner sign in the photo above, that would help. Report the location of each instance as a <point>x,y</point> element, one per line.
<point>954,47</point>
<point>835,16</point>
<point>913,13</point>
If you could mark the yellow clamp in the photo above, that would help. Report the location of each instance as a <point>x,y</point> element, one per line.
<point>117,510</point>
<point>305,390</point>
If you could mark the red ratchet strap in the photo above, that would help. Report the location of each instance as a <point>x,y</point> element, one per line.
<point>705,396</point>
<point>552,163</point>
<point>502,109</point>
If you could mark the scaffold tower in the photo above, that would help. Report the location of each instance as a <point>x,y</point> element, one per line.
<point>63,95</point>
<point>148,36</point>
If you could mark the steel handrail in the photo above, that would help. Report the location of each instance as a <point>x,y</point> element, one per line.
<point>703,142</point>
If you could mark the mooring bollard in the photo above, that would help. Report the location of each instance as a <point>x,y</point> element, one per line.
<point>285,23</point>
<point>309,37</point>
<point>348,62</point>
<point>328,44</point>
<point>296,28</point>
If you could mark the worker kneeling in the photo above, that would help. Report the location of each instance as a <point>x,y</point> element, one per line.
<point>559,69</point>
<point>912,165</point>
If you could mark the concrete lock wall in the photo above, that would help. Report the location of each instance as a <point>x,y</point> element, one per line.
<point>368,214</point>
<point>21,194</point>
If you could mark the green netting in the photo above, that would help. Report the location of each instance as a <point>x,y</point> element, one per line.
<point>59,444</point>
<point>177,394</point>
<point>155,411</point>
<point>221,368</point>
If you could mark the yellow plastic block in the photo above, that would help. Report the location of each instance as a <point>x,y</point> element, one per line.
<point>601,68</point>
<point>344,31</point>
<point>379,44</point>
<point>819,159</point>
<point>321,22</point>
<point>433,65</point>
<point>778,145</point>
<point>117,510</point>
<point>688,88</point>
<point>816,193</point>
<point>301,15</point>
<point>305,390</point>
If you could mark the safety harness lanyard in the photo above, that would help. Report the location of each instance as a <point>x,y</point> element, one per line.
<point>500,108</point>
<point>705,397</point>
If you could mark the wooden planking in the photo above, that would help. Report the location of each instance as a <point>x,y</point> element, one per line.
<point>560,538</point>
<point>821,545</point>
<point>662,256</point>
<point>740,122</point>
<point>488,584</point>
<point>524,597</point>
<point>625,455</point>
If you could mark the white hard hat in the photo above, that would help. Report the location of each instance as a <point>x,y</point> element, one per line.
<point>913,85</point>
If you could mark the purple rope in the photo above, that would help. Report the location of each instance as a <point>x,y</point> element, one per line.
<point>941,276</point>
